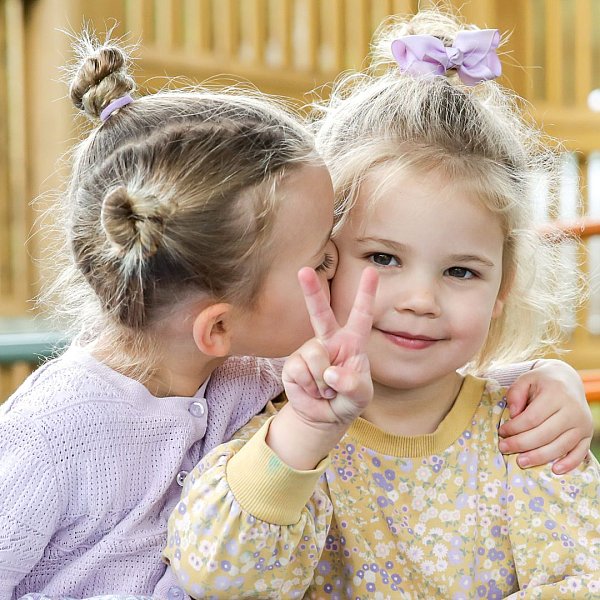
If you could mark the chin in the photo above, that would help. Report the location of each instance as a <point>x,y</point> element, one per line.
<point>408,378</point>
<point>398,382</point>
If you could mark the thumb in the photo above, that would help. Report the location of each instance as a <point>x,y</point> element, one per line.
<point>346,381</point>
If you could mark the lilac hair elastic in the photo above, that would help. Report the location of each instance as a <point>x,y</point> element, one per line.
<point>115,105</point>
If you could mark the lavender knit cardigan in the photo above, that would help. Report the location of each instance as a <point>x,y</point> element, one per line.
<point>91,466</point>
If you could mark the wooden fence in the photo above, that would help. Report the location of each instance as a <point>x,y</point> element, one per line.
<point>286,47</point>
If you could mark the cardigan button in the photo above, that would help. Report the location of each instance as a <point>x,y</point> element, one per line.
<point>175,593</point>
<point>197,409</point>
<point>181,477</point>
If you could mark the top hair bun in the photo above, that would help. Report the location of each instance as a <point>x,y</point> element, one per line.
<point>101,78</point>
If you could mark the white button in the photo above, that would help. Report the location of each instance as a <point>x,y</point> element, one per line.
<point>181,477</point>
<point>197,409</point>
<point>175,593</point>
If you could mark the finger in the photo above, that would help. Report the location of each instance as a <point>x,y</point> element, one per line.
<point>343,381</point>
<point>316,359</point>
<point>517,396</point>
<point>549,452</point>
<point>297,373</point>
<point>535,415</point>
<point>349,383</point>
<point>572,459</point>
<point>322,318</point>
<point>535,437</point>
<point>360,320</point>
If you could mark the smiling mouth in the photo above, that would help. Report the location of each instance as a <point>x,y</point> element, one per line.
<point>407,340</point>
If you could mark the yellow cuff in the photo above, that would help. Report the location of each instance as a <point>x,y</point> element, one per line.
<point>265,486</point>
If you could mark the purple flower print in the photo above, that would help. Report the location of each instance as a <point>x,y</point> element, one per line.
<point>536,504</point>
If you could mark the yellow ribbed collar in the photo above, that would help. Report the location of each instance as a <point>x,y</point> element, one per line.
<point>449,430</point>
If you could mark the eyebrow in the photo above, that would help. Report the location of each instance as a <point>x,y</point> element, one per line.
<point>391,244</point>
<point>400,248</point>
<point>471,258</point>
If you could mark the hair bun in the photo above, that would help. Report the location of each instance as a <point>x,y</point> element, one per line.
<point>100,78</point>
<point>133,223</point>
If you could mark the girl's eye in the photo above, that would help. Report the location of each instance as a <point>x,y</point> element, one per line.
<point>460,273</point>
<point>327,263</point>
<point>384,260</point>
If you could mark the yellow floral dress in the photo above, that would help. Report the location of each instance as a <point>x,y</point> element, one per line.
<point>443,515</point>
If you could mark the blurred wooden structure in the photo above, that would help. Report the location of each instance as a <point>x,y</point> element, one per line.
<point>286,47</point>
<point>582,230</point>
<point>591,383</point>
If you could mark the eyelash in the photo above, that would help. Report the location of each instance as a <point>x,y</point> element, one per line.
<point>371,258</point>
<point>326,264</point>
<point>473,273</point>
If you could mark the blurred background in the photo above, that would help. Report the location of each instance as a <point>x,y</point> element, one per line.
<point>284,47</point>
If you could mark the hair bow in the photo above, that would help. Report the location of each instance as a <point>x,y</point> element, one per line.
<point>473,55</point>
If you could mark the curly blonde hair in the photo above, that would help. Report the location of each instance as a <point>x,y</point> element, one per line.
<point>479,134</point>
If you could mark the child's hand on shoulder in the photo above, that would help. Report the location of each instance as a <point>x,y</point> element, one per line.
<point>328,380</point>
<point>550,417</point>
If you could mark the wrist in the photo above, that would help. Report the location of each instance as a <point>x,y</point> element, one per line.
<point>299,444</point>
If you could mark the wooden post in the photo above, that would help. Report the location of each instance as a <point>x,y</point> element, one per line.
<point>49,116</point>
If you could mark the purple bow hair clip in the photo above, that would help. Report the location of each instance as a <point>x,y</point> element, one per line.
<point>473,55</point>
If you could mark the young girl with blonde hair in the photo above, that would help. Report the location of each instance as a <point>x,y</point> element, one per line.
<point>381,476</point>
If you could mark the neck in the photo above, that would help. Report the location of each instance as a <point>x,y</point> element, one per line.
<point>179,375</point>
<point>415,411</point>
<point>180,369</point>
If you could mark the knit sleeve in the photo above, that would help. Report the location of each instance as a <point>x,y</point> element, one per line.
<point>554,528</point>
<point>248,525</point>
<point>29,499</point>
<point>506,375</point>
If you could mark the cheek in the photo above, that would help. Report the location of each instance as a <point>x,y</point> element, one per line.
<point>343,291</point>
<point>473,318</point>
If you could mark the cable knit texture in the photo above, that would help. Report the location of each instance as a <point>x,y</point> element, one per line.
<point>89,469</point>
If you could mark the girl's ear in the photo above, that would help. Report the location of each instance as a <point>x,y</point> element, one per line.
<point>508,278</point>
<point>498,308</point>
<point>212,330</point>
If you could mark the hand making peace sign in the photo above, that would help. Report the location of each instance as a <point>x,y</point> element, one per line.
<point>328,380</point>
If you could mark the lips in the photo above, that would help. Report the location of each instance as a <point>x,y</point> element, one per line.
<point>409,340</point>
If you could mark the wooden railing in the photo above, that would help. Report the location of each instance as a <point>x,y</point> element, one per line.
<point>583,230</point>
<point>591,384</point>
<point>24,345</point>
<point>286,47</point>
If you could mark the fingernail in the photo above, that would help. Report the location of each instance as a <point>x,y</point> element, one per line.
<point>503,446</point>
<point>523,462</point>
<point>330,376</point>
<point>329,393</point>
<point>559,470</point>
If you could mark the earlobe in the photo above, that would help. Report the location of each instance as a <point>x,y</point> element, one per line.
<point>212,331</point>
<point>498,308</point>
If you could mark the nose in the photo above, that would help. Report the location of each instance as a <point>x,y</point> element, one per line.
<point>419,295</point>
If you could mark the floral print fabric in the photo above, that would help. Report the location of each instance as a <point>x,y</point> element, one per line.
<point>465,522</point>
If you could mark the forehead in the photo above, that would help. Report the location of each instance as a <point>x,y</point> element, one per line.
<point>395,201</point>
<point>304,209</point>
